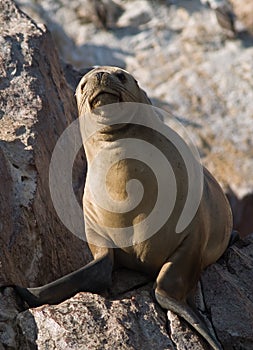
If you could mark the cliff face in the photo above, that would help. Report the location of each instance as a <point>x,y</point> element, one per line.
<point>184,61</point>
<point>36,106</point>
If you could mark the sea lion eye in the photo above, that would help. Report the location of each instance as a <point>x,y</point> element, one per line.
<point>121,77</point>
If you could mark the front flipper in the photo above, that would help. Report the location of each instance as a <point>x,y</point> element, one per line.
<point>185,311</point>
<point>93,277</point>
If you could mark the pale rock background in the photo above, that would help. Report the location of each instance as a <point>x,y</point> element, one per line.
<point>187,65</point>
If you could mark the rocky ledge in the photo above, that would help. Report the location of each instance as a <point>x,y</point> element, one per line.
<point>206,79</point>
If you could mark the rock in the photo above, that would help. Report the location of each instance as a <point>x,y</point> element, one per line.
<point>73,40</point>
<point>228,290</point>
<point>136,14</point>
<point>89,321</point>
<point>72,75</point>
<point>103,13</point>
<point>9,310</point>
<point>244,13</point>
<point>224,15</point>
<point>36,106</point>
<point>182,59</point>
<point>183,336</point>
<point>242,209</point>
<point>133,320</point>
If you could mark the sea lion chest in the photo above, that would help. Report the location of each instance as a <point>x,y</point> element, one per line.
<point>121,192</point>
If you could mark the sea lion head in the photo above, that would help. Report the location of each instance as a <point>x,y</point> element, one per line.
<point>106,85</point>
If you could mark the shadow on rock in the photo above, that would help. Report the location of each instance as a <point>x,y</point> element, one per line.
<point>12,310</point>
<point>242,209</point>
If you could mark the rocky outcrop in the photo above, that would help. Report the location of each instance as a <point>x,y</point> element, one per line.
<point>181,57</point>
<point>227,290</point>
<point>124,319</point>
<point>36,106</point>
<point>92,322</point>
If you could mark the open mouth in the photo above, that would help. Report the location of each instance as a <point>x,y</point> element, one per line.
<point>104,98</point>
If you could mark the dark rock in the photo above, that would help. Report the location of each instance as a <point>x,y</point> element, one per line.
<point>228,294</point>
<point>10,307</point>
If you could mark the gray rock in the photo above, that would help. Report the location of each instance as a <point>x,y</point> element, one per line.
<point>183,336</point>
<point>37,105</point>
<point>136,14</point>
<point>228,293</point>
<point>9,310</point>
<point>103,13</point>
<point>224,14</point>
<point>133,320</point>
<point>89,321</point>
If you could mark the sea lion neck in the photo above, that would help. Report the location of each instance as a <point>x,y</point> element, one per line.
<point>106,138</point>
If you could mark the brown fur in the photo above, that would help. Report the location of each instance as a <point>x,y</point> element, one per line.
<point>174,260</point>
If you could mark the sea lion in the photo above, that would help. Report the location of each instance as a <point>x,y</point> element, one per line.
<point>174,260</point>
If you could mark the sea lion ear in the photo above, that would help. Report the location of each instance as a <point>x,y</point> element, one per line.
<point>83,73</point>
<point>145,99</point>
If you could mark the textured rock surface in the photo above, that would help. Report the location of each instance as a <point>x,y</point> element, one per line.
<point>91,322</point>
<point>9,310</point>
<point>132,320</point>
<point>36,106</point>
<point>228,293</point>
<point>182,58</point>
